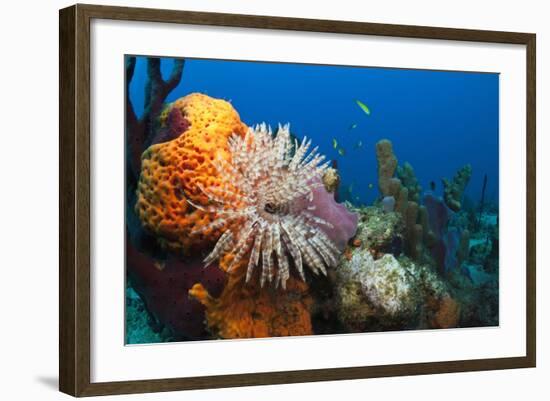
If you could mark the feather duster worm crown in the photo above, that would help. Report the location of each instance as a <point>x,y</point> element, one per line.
<point>264,206</point>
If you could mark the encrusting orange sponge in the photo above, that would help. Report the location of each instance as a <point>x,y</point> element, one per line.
<point>249,311</point>
<point>172,171</point>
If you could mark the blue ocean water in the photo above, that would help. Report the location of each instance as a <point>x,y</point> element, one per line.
<point>437,120</point>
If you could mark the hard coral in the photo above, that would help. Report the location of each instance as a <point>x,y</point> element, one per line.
<point>249,311</point>
<point>173,171</point>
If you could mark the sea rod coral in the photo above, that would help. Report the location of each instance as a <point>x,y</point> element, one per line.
<point>264,202</point>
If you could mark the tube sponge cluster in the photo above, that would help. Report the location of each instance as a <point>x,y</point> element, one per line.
<point>405,193</point>
<point>406,175</point>
<point>172,171</point>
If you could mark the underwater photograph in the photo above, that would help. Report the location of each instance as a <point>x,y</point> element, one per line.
<point>268,199</point>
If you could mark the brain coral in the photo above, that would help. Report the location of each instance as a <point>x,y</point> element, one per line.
<point>196,128</point>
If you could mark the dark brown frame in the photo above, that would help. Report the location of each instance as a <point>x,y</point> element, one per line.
<point>74,199</point>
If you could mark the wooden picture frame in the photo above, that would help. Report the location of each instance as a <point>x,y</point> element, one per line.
<point>75,206</point>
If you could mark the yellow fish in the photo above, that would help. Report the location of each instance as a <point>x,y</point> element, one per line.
<point>353,126</point>
<point>363,106</point>
<point>341,152</point>
<point>334,143</point>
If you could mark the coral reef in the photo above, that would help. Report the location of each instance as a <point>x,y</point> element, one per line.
<point>251,311</point>
<point>264,203</point>
<point>454,190</point>
<point>261,206</point>
<point>406,175</point>
<point>172,172</point>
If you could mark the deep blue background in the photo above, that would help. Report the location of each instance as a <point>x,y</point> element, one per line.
<point>438,121</point>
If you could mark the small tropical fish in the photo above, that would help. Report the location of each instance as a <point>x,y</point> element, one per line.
<point>353,126</point>
<point>432,185</point>
<point>334,143</point>
<point>363,106</point>
<point>341,152</point>
<point>371,186</point>
<point>350,188</point>
<point>359,145</point>
<point>357,198</point>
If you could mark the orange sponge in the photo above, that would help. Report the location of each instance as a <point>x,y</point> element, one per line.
<point>171,172</point>
<point>248,311</point>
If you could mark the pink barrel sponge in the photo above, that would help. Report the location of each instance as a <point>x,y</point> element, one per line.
<point>344,222</point>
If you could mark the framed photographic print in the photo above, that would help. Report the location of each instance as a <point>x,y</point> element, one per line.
<point>251,200</point>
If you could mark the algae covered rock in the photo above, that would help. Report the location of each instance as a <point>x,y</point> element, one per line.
<point>392,294</point>
<point>376,294</point>
<point>379,231</point>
